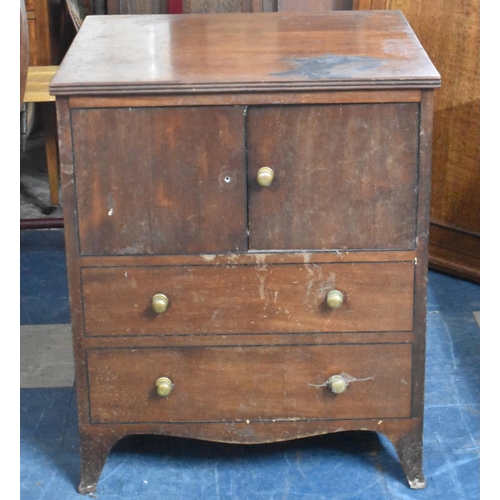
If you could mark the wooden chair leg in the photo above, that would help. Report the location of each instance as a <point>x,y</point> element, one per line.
<point>51,150</point>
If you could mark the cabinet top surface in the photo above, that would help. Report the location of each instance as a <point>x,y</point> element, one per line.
<point>244,52</point>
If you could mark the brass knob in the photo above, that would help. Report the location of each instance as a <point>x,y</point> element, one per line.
<point>159,303</point>
<point>164,386</point>
<point>265,176</point>
<point>334,299</point>
<point>337,384</point>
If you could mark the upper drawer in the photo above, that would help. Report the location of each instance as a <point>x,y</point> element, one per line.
<point>345,176</point>
<point>160,180</point>
<point>248,299</point>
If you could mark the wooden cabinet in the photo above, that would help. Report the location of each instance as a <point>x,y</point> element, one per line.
<point>245,205</point>
<point>50,31</point>
<point>133,7</point>
<point>449,32</point>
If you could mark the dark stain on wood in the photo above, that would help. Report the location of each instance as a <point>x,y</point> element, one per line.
<point>329,66</point>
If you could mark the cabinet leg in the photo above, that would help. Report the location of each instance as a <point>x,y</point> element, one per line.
<point>51,151</point>
<point>409,449</point>
<point>94,450</point>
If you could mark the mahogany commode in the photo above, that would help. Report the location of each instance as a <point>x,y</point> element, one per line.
<point>246,204</point>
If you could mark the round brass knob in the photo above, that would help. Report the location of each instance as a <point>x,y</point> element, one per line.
<point>159,303</point>
<point>334,299</point>
<point>337,384</point>
<point>265,176</point>
<point>164,386</point>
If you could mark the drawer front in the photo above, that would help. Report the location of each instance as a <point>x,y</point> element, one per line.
<point>345,176</point>
<point>250,383</point>
<point>160,180</point>
<point>248,299</point>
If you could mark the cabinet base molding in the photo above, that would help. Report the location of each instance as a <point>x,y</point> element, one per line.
<point>404,434</point>
<point>453,251</point>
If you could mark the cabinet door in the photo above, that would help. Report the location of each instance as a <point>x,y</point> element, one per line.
<point>345,176</point>
<point>160,180</point>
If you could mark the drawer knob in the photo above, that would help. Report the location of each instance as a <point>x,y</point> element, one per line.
<point>164,386</point>
<point>337,384</point>
<point>334,299</point>
<point>159,303</point>
<point>265,176</point>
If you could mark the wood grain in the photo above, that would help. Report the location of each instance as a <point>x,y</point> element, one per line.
<point>133,7</point>
<point>259,98</point>
<point>238,384</point>
<point>283,51</point>
<point>248,299</point>
<point>24,50</point>
<point>454,49</point>
<point>160,180</point>
<point>247,338</point>
<point>345,176</point>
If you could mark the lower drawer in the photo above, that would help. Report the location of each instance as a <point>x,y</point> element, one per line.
<point>287,298</point>
<point>249,383</point>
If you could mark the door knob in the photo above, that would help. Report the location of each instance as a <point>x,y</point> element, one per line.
<point>337,384</point>
<point>164,386</point>
<point>265,176</point>
<point>334,299</point>
<point>159,303</point>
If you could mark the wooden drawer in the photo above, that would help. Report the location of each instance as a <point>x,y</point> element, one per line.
<point>248,298</point>
<point>250,383</point>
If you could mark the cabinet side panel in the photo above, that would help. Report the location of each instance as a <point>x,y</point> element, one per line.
<point>424,184</point>
<point>71,244</point>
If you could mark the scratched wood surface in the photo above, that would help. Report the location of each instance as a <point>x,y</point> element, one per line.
<point>111,144</point>
<point>281,51</point>
<point>252,383</point>
<point>248,299</point>
<point>160,180</point>
<point>344,176</point>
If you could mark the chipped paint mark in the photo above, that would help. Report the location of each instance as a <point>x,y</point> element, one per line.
<point>307,258</point>
<point>135,248</point>
<point>416,261</point>
<point>110,213</point>
<point>126,274</point>
<point>262,291</point>
<point>232,258</point>
<point>208,258</point>
<point>260,258</point>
